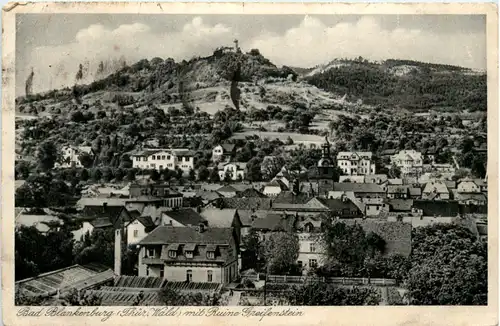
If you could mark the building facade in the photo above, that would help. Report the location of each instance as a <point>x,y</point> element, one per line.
<point>189,254</point>
<point>356,163</point>
<point>71,156</point>
<point>160,159</point>
<point>234,171</point>
<point>410,162</point>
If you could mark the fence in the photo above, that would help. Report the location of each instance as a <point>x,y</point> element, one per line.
<point>334,280</point>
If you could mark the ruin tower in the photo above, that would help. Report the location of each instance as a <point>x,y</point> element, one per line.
<point>236,46</point>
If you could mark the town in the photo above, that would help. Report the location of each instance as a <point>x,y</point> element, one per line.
<point>143,196</point>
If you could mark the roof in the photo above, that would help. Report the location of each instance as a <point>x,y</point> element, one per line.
<point>228,147</point>
<point>48,284</point>
<point>288,197</point>
<point>219,218</point>
<point>275,222</point>
<point>395,181</point>
<point>169,234</point>
<point>400,205</point>
<point>96,201</point>
<point>227,188</point>
<point>208,195</point>
<point>397,189</point>
<point>462,196</point>
<point>185,216</point>
<point>104,216</point>
<point>250,193</point>
<point>437,207</point>
<point>415,191</point>
<point>243,203</point>
<point>147,221</point>
<point>397,235</point>
<point>374,178</point>
<point>338,204</point>
<point>277,183</point>
<point>38,221</point>
<point>358,187</point>
<point>436,187</point>
<point>246,215</point>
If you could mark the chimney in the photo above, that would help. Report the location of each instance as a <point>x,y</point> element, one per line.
<point>118,251</point>
<point>201,227</point>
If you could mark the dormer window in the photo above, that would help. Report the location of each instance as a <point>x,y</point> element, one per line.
<point>172,254</point>
<point>189,254</point>
<point>211,254</point>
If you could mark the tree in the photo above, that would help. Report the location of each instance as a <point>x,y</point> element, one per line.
<point>252,256</point>
<point>172,297</point>
<point>281,250</point>
<point>203,173</point>
<point>323,294</point>
<point>119,174</point>
<point>192,175</point>
<point>254,169</point>
<point>394,171</point>
<point>214,175</point>
<point>154,175</point>
<point>47,155</point>
<point>96,175</point>
<point>74,298</point>
<point>86,160</point>
<point>449,267</point>
<point>22,170</point>
<point>271,165</point>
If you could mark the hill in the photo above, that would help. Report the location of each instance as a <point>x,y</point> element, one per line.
<point>404,84</point>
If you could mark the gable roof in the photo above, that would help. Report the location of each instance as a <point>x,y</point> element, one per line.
<point>358,187</point>
<point>208,195</point>
<point>398,189</point>
<point>246,215</point>
<point>228,147</point>
<point>219,218</point>
<point>168,234</point>
<point>185,216</point>
<point>275,222</point>
<point>277,183</point>
<point>104,216</point>
<point>250,193</point>
<point>400,205</point>
<point>288,197</point>
<point>243,203</point>
<point>337,204</point>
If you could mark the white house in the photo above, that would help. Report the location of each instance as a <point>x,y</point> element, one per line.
<point>71,156</point>
<point>139,228</point>
<point>356,163</point>
<point>468,186</point>
<point>274,188</point>
<point>161,159</point>
<point>234,170</point>
<point>409,161</point>
<point>222,152</point>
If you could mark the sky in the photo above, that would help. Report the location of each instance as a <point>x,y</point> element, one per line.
<point>53,45</point>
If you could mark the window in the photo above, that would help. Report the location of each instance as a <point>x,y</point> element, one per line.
<point>172,253</point>
<point>145,159</point>
<point>168,157</point>
<point>136,233</point>
<point>153,157</point>
<point>162,271</point>
<point>209,276</point>
<point>313,263</point>
<point>153,165</point>
<point>163,157</point>
<point>210,254</point>
<point>299,263</point>
<point>161,167</point>
<point>189,254</point>
<point>147,270</point>
<point>150,252</point>
<point>189,275</point>
<point>312,247</point>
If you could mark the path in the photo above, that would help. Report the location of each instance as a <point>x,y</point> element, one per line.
<point>385,298</point>
<point>234,300</point>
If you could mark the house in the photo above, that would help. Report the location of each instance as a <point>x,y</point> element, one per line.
<point>410,162</point>
<point>415,192</point>
<point>274,188</point>
<point>437,208</point>
<point>429,154</point>
<point>232,171</point>
<point>183,217</point>
<point>223,218</point>
<point>71,156</point>
<point>312,253</point>
<point>436,190</point>
<point>482,184</point>
<point>471,198</point>
<point>139,227</point>
<point>170,197</point>
<point>208,196</point>
<point>359,189</point>
<point>400,205</point>
<point>223,152</point>
<point>250,193</point>
<point>468,186</point>
<point>274,222</point>
<point>356,163</point>
<point>372,206</point>
<point>352,178</point>
<point>161,159</point>
<point>380,179</point>
<point>247,216</point>
<point>398,191</point>
<point>103,217</point>
<point>189,254</point>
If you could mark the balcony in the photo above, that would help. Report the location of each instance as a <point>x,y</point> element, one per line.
<point>152,260</point>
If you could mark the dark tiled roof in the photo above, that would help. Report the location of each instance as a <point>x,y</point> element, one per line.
<point>400,205</point>
<point>415,191</point>
<point>101,222</point>
<point>338,204</point>
<point>358,187</point>
<point>104,216</point>
<point>287,197</point>
<point>243,203</point>
<point>250,193</point>
<point>437,208</point>
<point>228,147</point>
<point>397,235</point>
<point>182,235</point>
<point>397,189</point>
<point>186,216</point>
<point>246,215</point>
<point>147,221</point>
<point>275,222</point>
